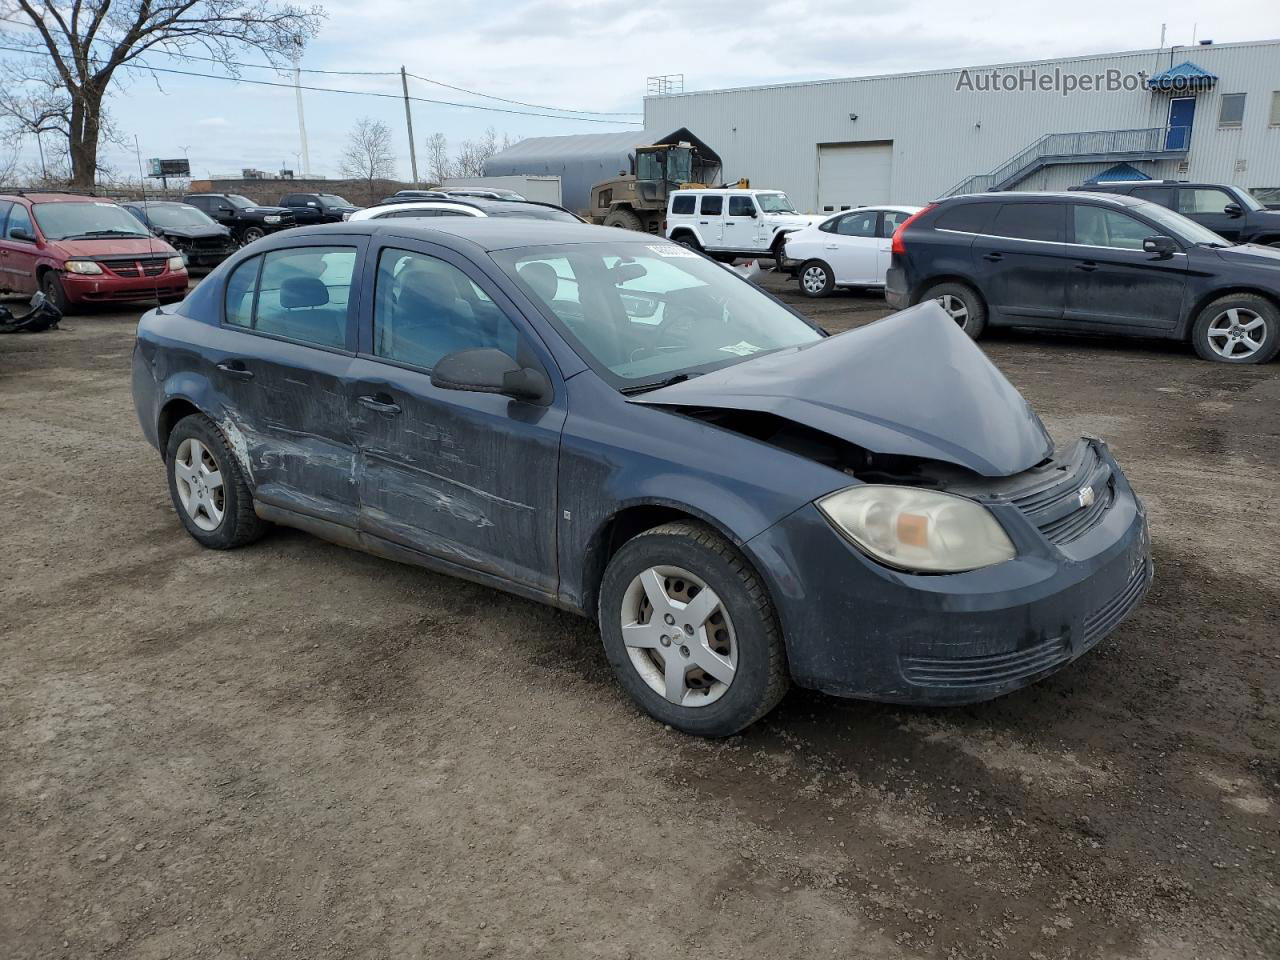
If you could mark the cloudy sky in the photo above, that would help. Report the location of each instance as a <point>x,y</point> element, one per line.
<point>596,55</point>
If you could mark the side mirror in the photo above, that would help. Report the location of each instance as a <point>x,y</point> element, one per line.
<point>1162,247</point>
<point>1233,210</point>
<point>19,233</point>
<point>486,370</point>
<point>754,213</point>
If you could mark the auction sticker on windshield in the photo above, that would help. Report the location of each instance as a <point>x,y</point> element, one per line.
<point>741,348</point>
<point>673,250</point>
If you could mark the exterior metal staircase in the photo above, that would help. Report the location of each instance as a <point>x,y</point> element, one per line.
<point>1093,146</point>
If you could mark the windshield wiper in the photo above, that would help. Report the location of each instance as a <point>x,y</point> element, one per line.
<point>659,384</point>
<point>103,233</point>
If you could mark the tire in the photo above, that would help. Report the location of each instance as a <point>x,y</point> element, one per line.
<point>738,637</point>
<point>816,279</point>
<point>1237,328</point>
<point>688,240</point>
<point>54,292</point>
<point>963,304</point>
<point>779,254</point>
<point>251,234</point>
<point>235,524</point>
<point>624,219</point>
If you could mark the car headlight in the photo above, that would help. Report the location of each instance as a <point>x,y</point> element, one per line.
<point>177,263</point>
<point>86,267</point>
<point>346,216</point>
<point>271,219</point>
<point>920,530</point>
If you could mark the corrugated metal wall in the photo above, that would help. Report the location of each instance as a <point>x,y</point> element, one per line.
<point>942,135</point>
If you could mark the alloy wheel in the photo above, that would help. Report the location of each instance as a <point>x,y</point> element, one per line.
<point>1237,333</point>
<point>199,483</point>
<point>814,280</point>
<point>956,308</point>
<point>679,636</point>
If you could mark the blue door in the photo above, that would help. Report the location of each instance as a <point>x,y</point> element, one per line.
<point>1182,112</point>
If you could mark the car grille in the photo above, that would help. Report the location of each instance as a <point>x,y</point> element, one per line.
<point>1058,511</point>
<point>986,670</point>
<point>133,267</point>
<point>209,244</point>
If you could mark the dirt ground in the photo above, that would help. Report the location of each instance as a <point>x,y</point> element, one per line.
<point>298,751</point>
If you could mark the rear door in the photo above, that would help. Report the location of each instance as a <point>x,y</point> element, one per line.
<point>853,248</point>
<point>1113,282</point>
<point>1207,206</point>
<point>1022,261</point>
<point>711,220</point>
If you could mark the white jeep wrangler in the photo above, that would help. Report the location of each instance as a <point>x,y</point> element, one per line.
<point>734,223</point>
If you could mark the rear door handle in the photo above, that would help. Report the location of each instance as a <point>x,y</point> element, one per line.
<point>833,246</point>
<point>1088,266</point>
<point>235,369</point>
<point>382,404</point>
<point>993,257</point>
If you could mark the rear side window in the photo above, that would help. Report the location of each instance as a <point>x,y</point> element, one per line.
<point>301,294</point>
<point>1030,221</point>
<point>966,218</point>
<point>741,206</point>
<point>683,205</point>
<point>1160,195</point>
<point>712,206</point>
<point>893,219</point>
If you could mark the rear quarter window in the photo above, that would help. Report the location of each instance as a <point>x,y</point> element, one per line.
<point>682,205</point>
<point>966,218</point>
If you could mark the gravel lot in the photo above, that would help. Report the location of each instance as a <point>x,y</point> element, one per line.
<point>296,750</point>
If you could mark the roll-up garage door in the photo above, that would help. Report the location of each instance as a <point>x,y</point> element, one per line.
<point>854,174</point>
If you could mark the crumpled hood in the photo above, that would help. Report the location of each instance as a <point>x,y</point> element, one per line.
<point>912,384</point>
<point>196,233</point>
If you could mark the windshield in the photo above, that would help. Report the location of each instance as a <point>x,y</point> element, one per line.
<point>68,221</point>
<point>333,200</point>
<point>643,313</point>
<point>1249,201</point>
<point>775,203</point>
<point>1179,226</point>
<point>176,217</point>
<point>238,201</point>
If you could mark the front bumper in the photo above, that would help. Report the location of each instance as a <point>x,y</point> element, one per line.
<point>858,629</point>
<point>103,288</point>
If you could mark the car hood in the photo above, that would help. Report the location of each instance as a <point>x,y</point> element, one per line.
<point>1251,254</point>
<point>113,247</point>
<point>912,384</point>
<point>792,219</point>
<point>265,210</point>
<point>196,233</point>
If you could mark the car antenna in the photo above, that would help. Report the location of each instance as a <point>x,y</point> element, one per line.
<point>151,250</point>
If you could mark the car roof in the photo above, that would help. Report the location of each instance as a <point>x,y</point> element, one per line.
<point>1003,195</point>
<point>421,204</point>
<point>155,203</point>
<point>56,198</point>
<point>486,233</point>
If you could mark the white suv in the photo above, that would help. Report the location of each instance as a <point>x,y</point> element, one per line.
<point>739,223</point>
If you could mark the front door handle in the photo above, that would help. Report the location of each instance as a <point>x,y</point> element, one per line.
<point>993,257</point>
<point>1088,266</point>
<point>235,369</point>
<point>381,403</point>
<point>833,246</point>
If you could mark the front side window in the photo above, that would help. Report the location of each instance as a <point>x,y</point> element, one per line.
<point>239,202</point>
<point>712,206</point>
<point>682,205</point>
<point>1030,221</point>
<point>643,312</point>
<point>425,308</point>
<point>19,219</point>
<point>301,293</point>
<point>858,224</point>
<point>741,207</point>
<point>1202,200</point>
<point>75,221</point>
<point>1100,227</point>
<point>4,216</point>
<point>333,200</point>
<point>1231,112</point>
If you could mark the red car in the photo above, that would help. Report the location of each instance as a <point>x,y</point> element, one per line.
<point>82,249</point>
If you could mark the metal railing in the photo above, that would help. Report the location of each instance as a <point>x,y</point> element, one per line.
<point>1067,145</point>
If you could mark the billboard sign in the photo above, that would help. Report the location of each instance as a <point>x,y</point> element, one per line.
<point>170,168</point>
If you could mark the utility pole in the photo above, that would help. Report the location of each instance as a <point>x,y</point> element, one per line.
<point>408,122</point>
<point>302,123</point>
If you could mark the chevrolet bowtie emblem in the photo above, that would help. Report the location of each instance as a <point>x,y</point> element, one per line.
<point>1086,496</point>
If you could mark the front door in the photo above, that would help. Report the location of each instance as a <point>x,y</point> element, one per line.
<point>853,248</point>
<point>740,223</point>
<point>20,256</point>
<point>1182,113</point>
<point>1207,206</point>
<point>466,477</point>
<point>280,362</point>
<point>1113,282</point>
<point>1021,263</point>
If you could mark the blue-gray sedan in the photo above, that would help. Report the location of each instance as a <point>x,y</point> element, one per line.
<point>613,424</point>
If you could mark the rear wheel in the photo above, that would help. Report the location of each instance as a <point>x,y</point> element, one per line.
<point>207,486</point>
<point>688,240</point>
<point>1239,328</point>
<point>54,292</point>
<point>816,279</point>
<point>625,219</point>
<point>962,304</point>
<point>691,632</point>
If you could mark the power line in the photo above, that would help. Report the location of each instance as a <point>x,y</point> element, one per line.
<point>361,73</point>
<point>357,93</point>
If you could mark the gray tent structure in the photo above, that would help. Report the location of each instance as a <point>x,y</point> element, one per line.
<point>581,160</point>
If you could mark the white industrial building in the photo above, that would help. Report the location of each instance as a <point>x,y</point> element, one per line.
<point>1209,112</point>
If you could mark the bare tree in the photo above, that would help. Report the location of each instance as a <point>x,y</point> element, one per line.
<point>439,166</point>
<point>88,41</point>
<point>368,155</point>
<point>472,154</point>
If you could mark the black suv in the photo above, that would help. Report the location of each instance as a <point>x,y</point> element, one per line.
<point>311,208</point>
<point>1089,263</point>
<point>201,242</point>
<point>243,217</point>
<point>1230,212</point>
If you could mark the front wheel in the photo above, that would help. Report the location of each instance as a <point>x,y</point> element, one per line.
<point>54,292</point>
<point>624,219</point>
<point>962,304</point>
<point>251,234</point>
<point>690,631</point>
<point>816,279</point>
<point>1238,328</point>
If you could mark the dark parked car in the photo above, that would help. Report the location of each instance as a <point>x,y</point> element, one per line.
<point>1089,263</point>
<point>618,426</point>
<point>312,208</point>
<point>201,241</point>
<point>1229,211</point>
<point>409,208</point>
<point>489,193</point>
<point>406,196</point>
<point>245,219</point>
